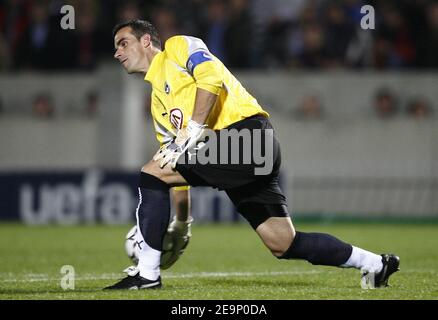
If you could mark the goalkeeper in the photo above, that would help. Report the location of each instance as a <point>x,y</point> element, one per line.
<point>192,91</point>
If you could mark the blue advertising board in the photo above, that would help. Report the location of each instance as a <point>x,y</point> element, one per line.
<point>91,196</point>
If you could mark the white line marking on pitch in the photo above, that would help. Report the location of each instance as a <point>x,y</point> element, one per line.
<point>42,277</point>
<point>45,277</point>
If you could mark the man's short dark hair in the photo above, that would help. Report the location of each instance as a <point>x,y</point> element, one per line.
<point>140,28</point>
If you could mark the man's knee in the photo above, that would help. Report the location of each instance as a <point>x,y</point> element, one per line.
<point>281,244</point>
<point>277,234</point>
<point>165,174</point>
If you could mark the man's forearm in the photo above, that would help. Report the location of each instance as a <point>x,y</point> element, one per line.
<point>181,201</point>
<point>205,100</point>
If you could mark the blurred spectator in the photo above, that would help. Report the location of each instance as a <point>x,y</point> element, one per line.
<point>280,20</point>
<point>352,10</point>
<point>313,54</point>
<point>394,47</point>
<point>4,54</point>
<point>278,10</point>
<point>431,53</point>
<point>42,106</point>
<point>166,23</point>
<point>339,32</point>
<point>414,13</point>
<point>239,35</point>
<point>33,48</point>
<point>315,34</point>
<point>419,108</point>
<point>189,14</point>
<point>87,37</point>
<point>310,108</point>
<point>127,11</point>
<point>215,26</point>
<point>14,20</point>
<point>385,104</point>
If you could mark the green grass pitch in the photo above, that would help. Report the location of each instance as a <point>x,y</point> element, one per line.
<point>221,262</point>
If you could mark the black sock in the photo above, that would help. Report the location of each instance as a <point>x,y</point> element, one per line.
<point>153,211</point>
<point>318,248</point>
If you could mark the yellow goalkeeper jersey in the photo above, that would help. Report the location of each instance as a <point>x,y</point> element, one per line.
<point>176,73</point>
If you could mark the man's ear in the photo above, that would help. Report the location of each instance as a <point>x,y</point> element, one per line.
<point>145,40</point>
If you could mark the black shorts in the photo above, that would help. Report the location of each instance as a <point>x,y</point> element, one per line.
<point>251,184</point>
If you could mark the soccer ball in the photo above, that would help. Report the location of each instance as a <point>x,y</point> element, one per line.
<point>133,246</point>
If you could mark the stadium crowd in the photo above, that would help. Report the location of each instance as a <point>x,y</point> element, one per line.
<point>308,34</point>
<point>245,34</point>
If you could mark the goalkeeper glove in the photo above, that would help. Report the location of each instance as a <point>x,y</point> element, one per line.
<point>177,238</point>
<point>186,138</point>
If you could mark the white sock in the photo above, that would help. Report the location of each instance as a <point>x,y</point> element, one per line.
<point>364,260</point>
<point>149,262</point>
